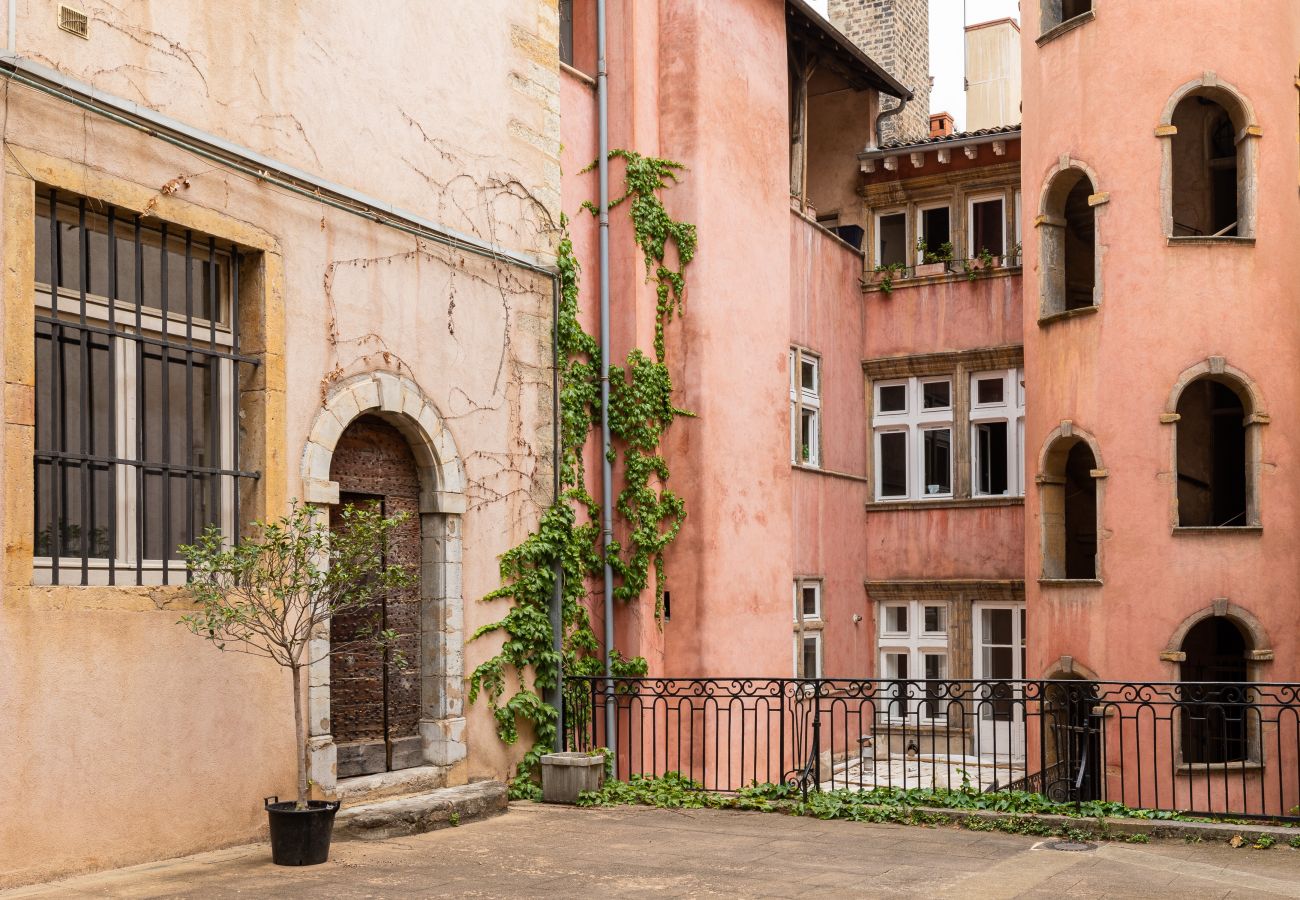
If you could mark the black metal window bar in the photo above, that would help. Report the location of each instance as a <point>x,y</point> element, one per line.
<point>1200,748</point>
<point>138,366</point>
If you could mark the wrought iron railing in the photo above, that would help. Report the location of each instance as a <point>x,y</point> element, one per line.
<point>1199,748</point>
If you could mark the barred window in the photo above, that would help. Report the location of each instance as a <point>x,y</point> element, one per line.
<point>137,371</point>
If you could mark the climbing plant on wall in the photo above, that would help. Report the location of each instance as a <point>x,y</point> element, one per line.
<point>568,536</point>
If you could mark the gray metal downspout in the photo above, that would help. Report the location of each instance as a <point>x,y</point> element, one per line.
<point>888,113</point>
<point>557,595</point>
<point>606,468</point>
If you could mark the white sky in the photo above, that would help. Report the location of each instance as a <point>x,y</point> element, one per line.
<point>946,46</point>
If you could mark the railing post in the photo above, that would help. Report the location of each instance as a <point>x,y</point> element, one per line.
<point>817,734</point>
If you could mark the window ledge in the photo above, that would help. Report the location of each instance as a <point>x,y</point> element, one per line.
<point>831,473</point>
<point>1175,240</point>
<point>577,73</point>
<point>1218,529</point>
<point>1068,314</point>
<point>1248,765</point>
<point>922,280</point>
<point>1069,582</point>
<point>1065,27</point>
<point>945,503</point>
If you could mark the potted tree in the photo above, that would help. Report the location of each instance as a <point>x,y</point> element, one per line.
<point>269,595</point>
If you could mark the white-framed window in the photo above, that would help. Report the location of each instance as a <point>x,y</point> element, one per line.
<point>934,229</point>
<point>986,225</point>
<point>808,628</point>
<point>912,425</point>
<point>913,641</point>
<point>807,600</point>
<point>136,393</point>
<point>997,418</point>
<point>891,238</point>
<point>808,655</point>
<point>805,408</point>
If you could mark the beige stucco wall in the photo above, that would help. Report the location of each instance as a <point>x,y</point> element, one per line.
<point>125,738</point>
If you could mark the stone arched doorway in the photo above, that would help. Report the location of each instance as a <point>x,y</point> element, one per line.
<point>371,420</point>
<point>375,692</point>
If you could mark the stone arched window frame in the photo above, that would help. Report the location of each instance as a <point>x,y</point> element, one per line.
<point>1252,401</point>
<point>1051,498</point>
<point>1258,655</point>
<point>1050,223</point>
<point>1247,131</point>
<point>400,402</point>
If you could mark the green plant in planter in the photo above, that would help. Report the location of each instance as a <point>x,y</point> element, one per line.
<point>888,273</point>
<point>270,593</point>
<point>927,256</point>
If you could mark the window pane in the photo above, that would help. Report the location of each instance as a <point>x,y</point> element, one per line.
<point>937,449</point>
<point>810,667</point>
<point>893,398</point>
<point>988,390</point>
<point>74,414</point>
<point>997,628</point>
<point>934,229</point>
<point>986,225</point>
<point>893,464</point>
<point>991,458</point>
<point>808,436</point>
<point>809,375</point>
<point>936,671</point>
<point>896,665</point>
<point>893,240</point>
<point>936,619</point>
<point>810,601</point>
<point>936,395</point>
<point>896,619</point>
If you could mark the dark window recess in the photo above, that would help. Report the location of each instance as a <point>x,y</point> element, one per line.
<point>810,667</point>
<point>893,398</point>
<point>849,234</point>
<point>987,226</point>
<point>141,333</point>
<point>991,457</point>
<point>1080,513</point>
<point>566,32</point>
<point>1057,12</point>
<point>989,390</point>
<point>935,229</point>
<point>1215,711</point>
<point>936,395</point>
<point>668,605</point>
<point>938,460</point>
<point>893,464</point>
<point>1080,246</point>
<point>1205,163</point>
<point>1211,456</point>
<point>893,240</point>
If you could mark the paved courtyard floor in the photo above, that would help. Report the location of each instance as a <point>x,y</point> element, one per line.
<point>543,851</point>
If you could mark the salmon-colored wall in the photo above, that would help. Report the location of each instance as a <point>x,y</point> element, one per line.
<point>948,315</point>
<point>1163,309</point>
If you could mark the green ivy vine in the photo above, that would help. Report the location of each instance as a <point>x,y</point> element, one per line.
<point>568,536</point>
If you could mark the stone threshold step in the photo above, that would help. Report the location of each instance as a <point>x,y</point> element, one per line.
<point>418,813</point>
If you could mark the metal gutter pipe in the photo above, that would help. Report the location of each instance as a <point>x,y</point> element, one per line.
<point>557,589</point>
<point>606,467</point>
<point>888,113</point>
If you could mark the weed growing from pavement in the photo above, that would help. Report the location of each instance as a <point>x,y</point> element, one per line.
<point>916,806</point>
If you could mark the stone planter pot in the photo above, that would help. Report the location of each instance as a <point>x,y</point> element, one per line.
<point>565,775</point>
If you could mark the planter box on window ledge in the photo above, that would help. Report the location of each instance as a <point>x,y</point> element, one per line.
<point>934,268</point>
<point>566,775</point>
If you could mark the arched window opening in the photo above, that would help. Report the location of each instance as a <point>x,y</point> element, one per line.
<point>1056,12</point>
<point>1207,170</point>
<point>1068,244</point>
<point>1213,482</point>
<point>1215,711</point>
<point>1069,511</point>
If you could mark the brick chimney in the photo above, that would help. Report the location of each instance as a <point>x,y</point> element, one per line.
<point>941,124</point>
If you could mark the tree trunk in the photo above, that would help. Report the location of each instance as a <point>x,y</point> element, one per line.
<point>300,734</point>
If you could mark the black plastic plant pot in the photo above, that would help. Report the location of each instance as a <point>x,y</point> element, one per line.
<point>300,837</point>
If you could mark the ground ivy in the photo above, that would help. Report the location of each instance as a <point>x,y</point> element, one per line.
<point>568,536</point>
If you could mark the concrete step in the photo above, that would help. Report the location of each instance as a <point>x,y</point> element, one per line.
<point>418,813</point>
